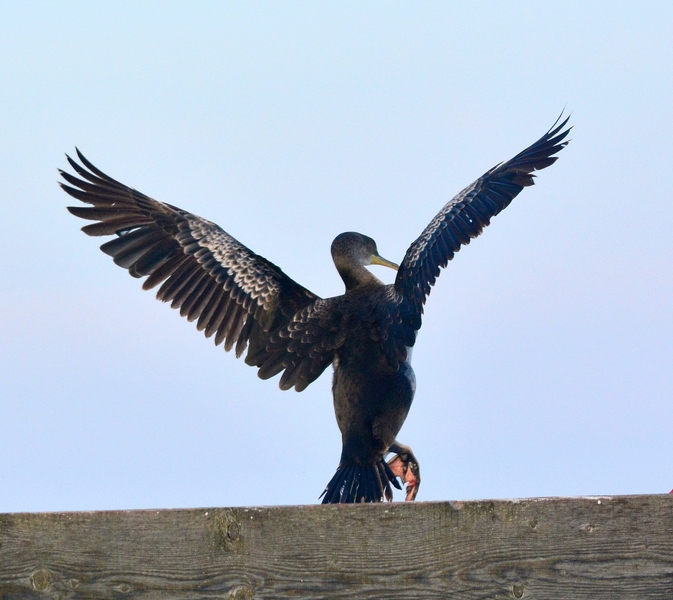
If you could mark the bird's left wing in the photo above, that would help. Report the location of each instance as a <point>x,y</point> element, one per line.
<point>236,295</point>
<point>465,216</point>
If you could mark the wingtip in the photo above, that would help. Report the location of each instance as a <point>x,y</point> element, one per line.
<point>563,111</point>
<point>83,159</point>
<point>558,128</point>
<point>69,158</point>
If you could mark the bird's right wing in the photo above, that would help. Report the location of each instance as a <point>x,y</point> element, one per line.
<point>464,217</point>
<point>238,296</point>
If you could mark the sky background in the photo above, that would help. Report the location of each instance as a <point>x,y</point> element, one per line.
<point>544,361</point>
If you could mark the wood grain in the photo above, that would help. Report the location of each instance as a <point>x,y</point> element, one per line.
<point>556,548</point>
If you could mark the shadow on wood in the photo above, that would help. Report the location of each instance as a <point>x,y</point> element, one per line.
<point>554,548</point>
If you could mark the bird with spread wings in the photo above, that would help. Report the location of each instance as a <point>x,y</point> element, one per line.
<point>245,301</point>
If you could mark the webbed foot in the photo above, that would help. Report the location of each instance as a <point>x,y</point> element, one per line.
<point>405,466</point>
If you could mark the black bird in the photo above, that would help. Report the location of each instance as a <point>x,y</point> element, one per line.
<point>246,301</point>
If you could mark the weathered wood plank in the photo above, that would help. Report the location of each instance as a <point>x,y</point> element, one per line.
<point>548,549</point>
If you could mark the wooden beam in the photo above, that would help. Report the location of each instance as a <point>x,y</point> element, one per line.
<point>555,548</point>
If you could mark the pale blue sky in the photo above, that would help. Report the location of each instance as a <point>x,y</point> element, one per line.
<point>544,362</point>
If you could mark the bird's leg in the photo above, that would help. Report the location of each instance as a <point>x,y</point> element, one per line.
<point>405,466</point>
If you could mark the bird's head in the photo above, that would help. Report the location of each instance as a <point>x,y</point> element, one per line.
<point>352,251</point>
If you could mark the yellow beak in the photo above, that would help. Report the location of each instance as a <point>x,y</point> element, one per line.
<point>379,260</point>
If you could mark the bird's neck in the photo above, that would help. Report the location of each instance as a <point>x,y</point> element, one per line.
<point>356,277</point>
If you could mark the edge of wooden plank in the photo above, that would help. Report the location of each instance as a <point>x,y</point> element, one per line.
<point>553,547</point>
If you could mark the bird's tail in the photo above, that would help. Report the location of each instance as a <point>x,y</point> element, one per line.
<point>360,483</point>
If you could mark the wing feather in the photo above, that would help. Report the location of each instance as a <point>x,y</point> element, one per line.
<point>465,216</point>
<point>242,299</point>
<point>201,293</point>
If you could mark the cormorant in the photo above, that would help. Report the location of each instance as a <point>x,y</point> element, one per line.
<point>246,301</point>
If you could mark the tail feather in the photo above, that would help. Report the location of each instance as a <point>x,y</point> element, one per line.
<point>354,483</point>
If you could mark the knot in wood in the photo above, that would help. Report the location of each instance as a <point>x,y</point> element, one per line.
<point>228,531</point>
<point>41,580</point>
<point>241,592</point>
<point>233,530</point>
<point>587,528</point>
